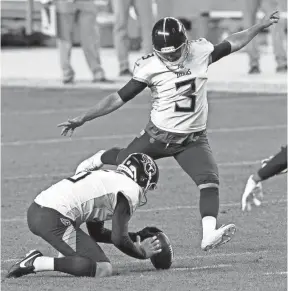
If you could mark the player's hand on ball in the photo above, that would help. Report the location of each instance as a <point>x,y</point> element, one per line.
<point>150,246</point>
<point>148,231</point>
<point>70,125</point>
<point>270,20</point>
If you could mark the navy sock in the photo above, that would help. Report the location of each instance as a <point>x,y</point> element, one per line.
<point>209,202</point>
<point>110,156</point>
<point>76,265</point>
<point>276,165</point>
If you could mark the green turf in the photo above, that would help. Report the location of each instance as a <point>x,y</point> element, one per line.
<point>243,130</point>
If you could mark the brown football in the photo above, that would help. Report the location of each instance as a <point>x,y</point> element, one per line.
<point>164,259</point>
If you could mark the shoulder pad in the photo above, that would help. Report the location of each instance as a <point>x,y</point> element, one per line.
<point>201,46</point>
<point>143,69</point>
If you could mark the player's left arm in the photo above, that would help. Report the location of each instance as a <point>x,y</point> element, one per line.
<point>240,39</point>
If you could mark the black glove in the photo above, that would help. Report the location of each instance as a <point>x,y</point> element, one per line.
<point>148,231</point>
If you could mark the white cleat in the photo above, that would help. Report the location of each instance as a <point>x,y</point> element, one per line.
<point>253,194</point>
<point>218,237</point>
<point>91,164</point>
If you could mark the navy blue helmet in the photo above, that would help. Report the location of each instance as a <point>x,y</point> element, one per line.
<point>142,169</point>
<point>169,39</point>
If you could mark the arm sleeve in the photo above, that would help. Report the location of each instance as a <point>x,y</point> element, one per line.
<point>120,236</point>
<point>220,50</point>
<point>131,89</point>
<point>101,234</point>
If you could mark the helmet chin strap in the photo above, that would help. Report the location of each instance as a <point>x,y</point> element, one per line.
<point>145,190</point>
<point>177,63</point>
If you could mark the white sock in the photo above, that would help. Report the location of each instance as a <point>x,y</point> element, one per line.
<point>43,264</point>
<point>208,225</point>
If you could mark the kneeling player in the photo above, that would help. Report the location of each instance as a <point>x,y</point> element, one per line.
<point>271,167</point>
<point>92,197</point>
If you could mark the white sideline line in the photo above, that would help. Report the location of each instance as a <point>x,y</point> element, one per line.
<point>238,204</point>
<point>123,136</point>
<point>201,268</point>
<point>132,106</point>
<point>276,273</point>
<point>162,168</point>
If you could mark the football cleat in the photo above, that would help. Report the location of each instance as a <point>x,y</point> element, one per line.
<point>91,164</point>
<point>25,266</point>
<point>253,194</point>
<point>218,237</point>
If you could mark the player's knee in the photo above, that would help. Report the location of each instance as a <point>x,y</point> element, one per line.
<point>207,181</point>
<point>104,269</point>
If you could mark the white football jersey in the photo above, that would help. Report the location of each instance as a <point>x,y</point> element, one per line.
<point>90,196</point>
<point>179,94</point>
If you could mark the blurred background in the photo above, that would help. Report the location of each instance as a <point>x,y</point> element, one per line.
<point>21,21</point>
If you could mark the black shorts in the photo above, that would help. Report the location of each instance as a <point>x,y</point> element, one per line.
<point>60,232</point>
<point>193,154</point>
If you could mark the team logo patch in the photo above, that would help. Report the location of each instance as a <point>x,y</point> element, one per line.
<point>65,221</point>
<point>149,165</point>
<point>152,140</point>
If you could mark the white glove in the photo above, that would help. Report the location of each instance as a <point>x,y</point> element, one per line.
<point>253,194</point>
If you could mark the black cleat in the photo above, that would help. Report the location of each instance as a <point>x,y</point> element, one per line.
<point>25,266</point>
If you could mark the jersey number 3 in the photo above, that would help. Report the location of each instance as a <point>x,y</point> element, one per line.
<point>189,94</point>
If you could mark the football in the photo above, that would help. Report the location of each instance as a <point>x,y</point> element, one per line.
<point>164,259</point>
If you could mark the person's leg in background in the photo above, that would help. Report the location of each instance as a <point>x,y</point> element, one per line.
<point>90,39</point>
<point>121,39</point>
<point>277,34</point>
<point>146,18</point>
<point>251,8</point>
<point>65,24</point>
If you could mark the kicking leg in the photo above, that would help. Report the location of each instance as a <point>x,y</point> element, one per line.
<point>198,162</point>
<point>115,156</point>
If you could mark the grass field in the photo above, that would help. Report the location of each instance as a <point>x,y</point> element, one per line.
<point>243,130</point>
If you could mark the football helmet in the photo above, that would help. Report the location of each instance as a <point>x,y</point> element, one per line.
<point>170,42</point>
<point>142,169</point>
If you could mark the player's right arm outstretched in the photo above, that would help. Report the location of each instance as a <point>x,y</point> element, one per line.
<point>238,40</point>
<point>105,106</point>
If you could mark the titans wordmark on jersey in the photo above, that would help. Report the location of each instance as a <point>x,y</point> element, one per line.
<point>179,94</point>
<point>90,196</point>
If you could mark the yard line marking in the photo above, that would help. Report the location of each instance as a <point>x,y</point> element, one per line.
<point>133,106</point>
<point>162,168</point>
<point>276,273</point>
<point>180,258</point>
<point>200,268</point>
<point>235,204</point>
<point>123,136</point>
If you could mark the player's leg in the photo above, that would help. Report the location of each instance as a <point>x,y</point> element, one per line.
<point>82,255</point>
<point>198,162</point>
<point>273,166</point>
<point>143,144</point>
